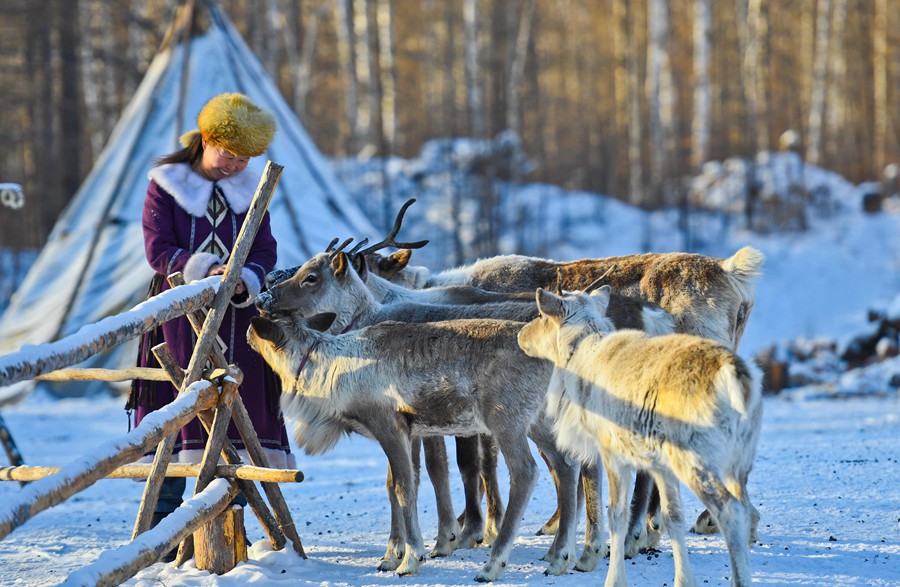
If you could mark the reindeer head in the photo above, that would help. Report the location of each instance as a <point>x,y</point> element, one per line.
<point>326,283</point>
<point>284,341</point>
<point>564,321</point>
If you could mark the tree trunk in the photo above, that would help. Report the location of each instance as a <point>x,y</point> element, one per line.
<point>880,82</point>
<point>364,74</point>
<point>661,98</point>
<point>348,124</point>
<point>820,71</point>
<point>473,73</point>
<point>701,122</point>
<point>628,95</point>
<point>517,68</point>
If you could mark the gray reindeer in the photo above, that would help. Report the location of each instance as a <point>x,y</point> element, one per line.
<point>684,408</point>
<point>396,381</point>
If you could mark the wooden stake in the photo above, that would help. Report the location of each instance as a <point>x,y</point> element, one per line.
<point>221,543</point>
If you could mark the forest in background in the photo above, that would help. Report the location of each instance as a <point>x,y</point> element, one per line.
<point>620,97</point>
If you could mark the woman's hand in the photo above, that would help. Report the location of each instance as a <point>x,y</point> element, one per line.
<point>239,289</point>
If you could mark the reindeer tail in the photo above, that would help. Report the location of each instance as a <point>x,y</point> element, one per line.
<point>739,383</point>
<point>742,268</point>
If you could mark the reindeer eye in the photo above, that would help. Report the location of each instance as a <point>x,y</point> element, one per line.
<point>311,278</point>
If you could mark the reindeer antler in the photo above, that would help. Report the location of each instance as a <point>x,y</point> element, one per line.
<point>599,281</point>
<point>339,249</point>
<point>389,239</point>
<point>331,244</point>
<point>559,290</point>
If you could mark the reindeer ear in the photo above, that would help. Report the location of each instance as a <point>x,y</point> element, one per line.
<point>266,329</point>
<point>601,297</point>
<point>361,266</point>
<point>321,322</point>
<point>549,304</point>
<point>339,264</point>
<point>400,259</point>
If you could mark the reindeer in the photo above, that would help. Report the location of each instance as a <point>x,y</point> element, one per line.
<point>706,296</point>
<point>683,407</point>
<point>396,381</point>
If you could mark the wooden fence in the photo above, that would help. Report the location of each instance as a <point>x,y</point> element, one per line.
<point>210,395</point>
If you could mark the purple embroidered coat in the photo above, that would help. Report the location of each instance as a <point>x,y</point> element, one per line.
<point>178,223</point>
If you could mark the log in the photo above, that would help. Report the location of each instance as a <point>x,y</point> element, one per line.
<point>152,545</point>
<point>86,470</point>
<point>74,374</point>
<point>221,543</point>
<point>36,360</point>
<point>24,473</point>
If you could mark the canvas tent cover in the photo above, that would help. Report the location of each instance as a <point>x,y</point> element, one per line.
<point>93,264</point>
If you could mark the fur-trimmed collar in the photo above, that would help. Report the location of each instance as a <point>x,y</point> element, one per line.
<point>191,190</point>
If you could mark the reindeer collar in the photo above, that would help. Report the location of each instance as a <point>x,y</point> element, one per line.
<point>305,359</point>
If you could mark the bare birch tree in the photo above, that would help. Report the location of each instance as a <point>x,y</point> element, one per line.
<point>702,119</point>
<point>628,77</point>
<point>364,75</point>
<point>880,81</point>
<point>473,72</point>
<point>820,72</point>
<point>660,97</point>
<point>516,74</point>
<point>348,124</point>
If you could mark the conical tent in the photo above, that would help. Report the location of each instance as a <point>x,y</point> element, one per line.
<point>93,264</point>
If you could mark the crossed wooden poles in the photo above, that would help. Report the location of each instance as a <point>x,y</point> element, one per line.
<point>211,393</point>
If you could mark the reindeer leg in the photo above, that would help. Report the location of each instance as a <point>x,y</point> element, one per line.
<point>394,552</point>
<point>673,522</point>
<point>551,526</point>
<point>448,528</point>
<point>469,463</point>
<point>562,551</point>
<point>643,527</point>
<point>617,473</point>
<point>523,476</point>
<point>397,445</point>
<point>595,546</point>
<point>495,509</point>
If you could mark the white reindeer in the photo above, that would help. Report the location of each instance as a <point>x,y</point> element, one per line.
<point>682,407</point>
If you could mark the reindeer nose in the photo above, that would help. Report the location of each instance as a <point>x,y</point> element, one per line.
<point>263,300</point>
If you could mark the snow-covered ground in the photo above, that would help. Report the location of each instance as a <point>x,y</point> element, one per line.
<point>825,483</point>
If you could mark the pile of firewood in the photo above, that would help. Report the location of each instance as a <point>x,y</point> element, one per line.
<point>821,362</point>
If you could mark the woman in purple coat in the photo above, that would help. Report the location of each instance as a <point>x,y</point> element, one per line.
<point>196,204</point>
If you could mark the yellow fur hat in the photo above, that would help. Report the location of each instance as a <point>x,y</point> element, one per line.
<point>234,122</point>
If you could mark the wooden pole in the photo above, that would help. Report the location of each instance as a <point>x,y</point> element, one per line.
<point>136,471</point>
<point>73,374</point>
<point>79,475</point>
